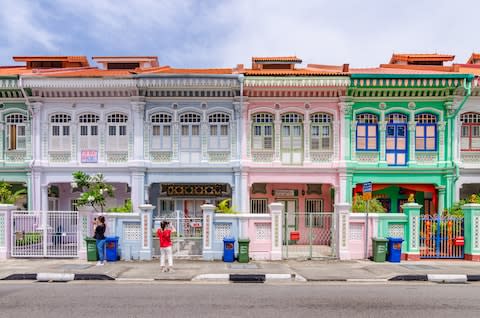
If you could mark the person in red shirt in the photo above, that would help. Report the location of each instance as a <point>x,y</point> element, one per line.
<point>164,233</point>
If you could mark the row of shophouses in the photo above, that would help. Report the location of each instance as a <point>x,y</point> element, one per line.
<point>306,136</point>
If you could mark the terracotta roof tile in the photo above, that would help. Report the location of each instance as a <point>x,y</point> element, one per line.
<point>81,72</point>
<point>82,59</point>
<point>297,72</point>
<point>293,59</point>
<point>421,57</point>
<point>394,70</point>
<point>170,70</point>
<point>14,70</point>
<point>473,57</point>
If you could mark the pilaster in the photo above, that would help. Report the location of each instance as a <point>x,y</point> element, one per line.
<point>208,212</point>
<point>276,209</point>
<point>342,212</point>
<point>5,229</point>
<point>412,246</point>
<point>138,109</point>
<point>146,211</point>
<point>471,213</point>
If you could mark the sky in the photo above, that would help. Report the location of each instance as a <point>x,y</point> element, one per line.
<point>224,33</point>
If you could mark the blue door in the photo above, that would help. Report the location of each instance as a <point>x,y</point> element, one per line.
<point>396,144</point>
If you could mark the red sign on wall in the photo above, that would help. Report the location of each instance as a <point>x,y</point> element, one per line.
<point>89,156</point>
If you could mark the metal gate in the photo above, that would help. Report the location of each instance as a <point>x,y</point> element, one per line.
<point>311,235</point>
<point>188,239</point>
<point>44,234</point>
<point>441,237</point>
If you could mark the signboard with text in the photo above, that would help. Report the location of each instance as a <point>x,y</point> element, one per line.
<point>89,156</point>
<point>367,191</point>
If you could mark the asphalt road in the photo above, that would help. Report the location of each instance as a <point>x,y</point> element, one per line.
<point>115,299</point>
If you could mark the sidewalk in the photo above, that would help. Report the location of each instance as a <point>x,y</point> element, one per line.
<point>289,270</point>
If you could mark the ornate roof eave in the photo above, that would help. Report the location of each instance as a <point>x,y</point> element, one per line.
<point>76,83</point>
<point>189,82</point>
<point>296,82</point>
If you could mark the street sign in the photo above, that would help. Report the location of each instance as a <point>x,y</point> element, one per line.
<point>367,191</point>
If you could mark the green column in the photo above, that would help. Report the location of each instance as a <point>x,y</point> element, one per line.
<point>412,248</point>
<point>472,231</point>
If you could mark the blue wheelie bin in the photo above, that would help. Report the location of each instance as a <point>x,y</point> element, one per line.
<point>111,248</point>
<point>394,249</point>
<point>228,249</point>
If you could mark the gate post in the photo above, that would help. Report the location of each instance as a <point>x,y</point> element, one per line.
<point>471,212</point>
<point>208,213</point>
<point>5,229</point>
<point>342,229</point>
<point>84,226</point>
<point>276,209</point>
<point>412,251</point>
<point>146,211</point>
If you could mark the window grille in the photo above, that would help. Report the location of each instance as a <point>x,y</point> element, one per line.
<point>258,206</point>
<point>313,207</point>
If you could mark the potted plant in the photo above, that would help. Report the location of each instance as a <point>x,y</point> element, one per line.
<point>94,190</point>
<point>224,207</point>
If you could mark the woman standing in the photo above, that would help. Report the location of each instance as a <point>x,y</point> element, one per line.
<point>163,234</point>
<point>100,237</point>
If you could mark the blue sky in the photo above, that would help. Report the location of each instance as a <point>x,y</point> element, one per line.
<point>224,33</point>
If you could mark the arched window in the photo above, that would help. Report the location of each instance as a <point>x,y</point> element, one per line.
<point>60,138</point>
<point>190,144</point>
<point>117,137</point>
<point>219,131</point>
<point>16,137</point>
<point>321,132</point>
<point>262,131</point>
<point>88,139</point>
<point>426,132</point>
<point>367,132</point>
<point>470,134</point>
<point>161,132</point>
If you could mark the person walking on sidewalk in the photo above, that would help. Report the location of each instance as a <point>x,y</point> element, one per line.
<point>100,237</point>
<point>164,235</point>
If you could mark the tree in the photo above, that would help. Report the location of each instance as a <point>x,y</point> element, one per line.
<point>94,189</point>
<point>7,196</point>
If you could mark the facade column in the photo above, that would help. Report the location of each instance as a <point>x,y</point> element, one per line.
<point>442,145</point>
<point>382,131</point>
<point>277,123</point>
<point>412,160</point>
<point>306,139</point>
<point>412,244</point>
<point>344,150</point>
<point>276,209</point>
<point>137,189</point>
<point>84,230</point>
<point>5,229</point>
<point>471,213</point>
<point>138,108</point>
<point>208,213</point>
<point>441,199</point>
<point>236,191</point>
<point>244,193</point>
<point>146,211</point>
<point>342,235</point>
<point>237,129</point>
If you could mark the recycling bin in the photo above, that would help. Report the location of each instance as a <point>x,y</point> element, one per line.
<point>379,246</point>
<point>111,247</point>
<point>92,254</point>
<point>394,249</point>
<point>228,249</point>
<point>243,247</point>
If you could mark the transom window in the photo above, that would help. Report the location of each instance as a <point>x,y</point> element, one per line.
<point>426,132</point>
<point>262,131</point>
<point>396,118</point>
<point>470,132</point>
<point>367,132</point>
<point>321,131</point>
<point>292,118</point>
<point>190,118</point>
<point>161,131</point>
<point>60,139</point>
<point>219,131</point>
<point>16,137</point>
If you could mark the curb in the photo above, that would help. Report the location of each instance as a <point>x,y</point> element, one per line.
<point>57,277</point>
<point>249,278</point>
<point>438,278</point>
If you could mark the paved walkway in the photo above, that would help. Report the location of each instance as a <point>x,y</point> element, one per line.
<point>187,270</point>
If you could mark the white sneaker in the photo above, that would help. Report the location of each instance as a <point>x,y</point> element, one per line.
<point>100,263</point>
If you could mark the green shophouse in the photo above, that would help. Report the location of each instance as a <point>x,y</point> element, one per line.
<point>15,140</point>
<point>399,135</point>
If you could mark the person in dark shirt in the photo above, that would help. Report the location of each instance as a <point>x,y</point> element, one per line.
<point>100,237</point>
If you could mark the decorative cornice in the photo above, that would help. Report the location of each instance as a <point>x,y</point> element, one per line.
<point>297,82</point>
<point>188,83</point>
<point>78,83</point>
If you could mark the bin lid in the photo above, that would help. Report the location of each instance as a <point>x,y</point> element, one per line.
<point>229,239</point>
<point>379,239</point>
<point>111,238</point>
<point>395,239</point>
<point>89,239</point>
<point>243,240</point>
